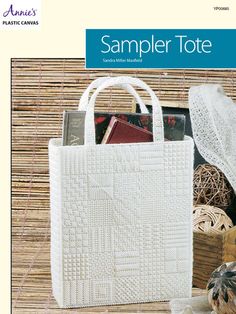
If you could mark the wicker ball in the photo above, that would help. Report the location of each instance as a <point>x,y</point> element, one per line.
<point>210,219</point>
<point>211,187</point>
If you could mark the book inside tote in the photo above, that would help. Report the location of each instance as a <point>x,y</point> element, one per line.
<point>73,125</point>
<point>120,131</point>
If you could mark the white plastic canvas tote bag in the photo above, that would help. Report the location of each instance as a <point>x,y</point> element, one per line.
<point>121,214</point>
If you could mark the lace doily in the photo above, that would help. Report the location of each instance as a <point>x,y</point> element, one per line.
<point>213,118</point>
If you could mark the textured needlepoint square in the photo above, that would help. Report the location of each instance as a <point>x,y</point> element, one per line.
<point>149,263</point>
<point>173,285</point>
<point>74,188</point>
<point>182,265</point>
<point>102,291</point>
<point>75,214</point>
<point>174,156</point>
<point>102,265</point>
<point>80,210</point>
<point>150,288</point>
<point>127,197</point>
<point>125,213</point>
<point>98,161</point>
<point>168,285</point>
<point>101,213</point>
<point>176,258</point>
<point>82,240</point>
<point>150,211</point>
<point>101,239</point>
<point>100,186</point>
<point>126,238</point>
<point>150,271</point>
<point>177,180</point>
<point>127,186</point>
<point>182,252</point>
<point>170,254</point>
<point>76,266</point>
<point>171,267</point>
<point>145,236</point>
<point>151,158</point>
<point>176,184</point>
<point>150,238</point>
<point>127,289</point>
<point>150,257</point>
<point>127,264</point>
<point>128,162</point>
<point>76,240</point>
<point>179,205</point>
<point>82,292</point>
<point>73,161</point>
<point>70,238</point>
<point>156,237</point>
<point>174,236</point>
<point>82,266</point>
<point>152,208</point>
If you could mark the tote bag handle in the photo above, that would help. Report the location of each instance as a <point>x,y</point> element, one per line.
<point>158,131</point>
<point>84,100</point>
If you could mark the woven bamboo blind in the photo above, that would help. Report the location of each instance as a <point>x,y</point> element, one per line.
<point>41,90</point>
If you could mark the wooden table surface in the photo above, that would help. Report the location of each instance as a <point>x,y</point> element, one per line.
<point>39,300</point>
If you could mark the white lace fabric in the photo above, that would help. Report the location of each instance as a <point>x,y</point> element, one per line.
<point>213,118</point>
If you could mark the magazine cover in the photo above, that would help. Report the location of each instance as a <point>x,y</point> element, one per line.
<point>118,157</point>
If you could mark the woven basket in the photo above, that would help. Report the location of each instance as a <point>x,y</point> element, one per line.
<point>213,242</point>
<point>210,219</point>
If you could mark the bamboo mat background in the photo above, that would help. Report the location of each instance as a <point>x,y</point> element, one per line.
<point>41,90</point>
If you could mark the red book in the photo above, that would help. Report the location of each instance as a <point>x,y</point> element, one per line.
<point>120,131</point>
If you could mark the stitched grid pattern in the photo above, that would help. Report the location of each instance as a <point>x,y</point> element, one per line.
<point>101,239</point>
<point>125,237</point>
<point>101,265</point>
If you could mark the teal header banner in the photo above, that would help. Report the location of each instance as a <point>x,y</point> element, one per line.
<point>160,48</point>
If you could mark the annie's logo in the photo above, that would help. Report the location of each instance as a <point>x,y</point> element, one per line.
<point>12,12</point>
<point>20,14</point>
